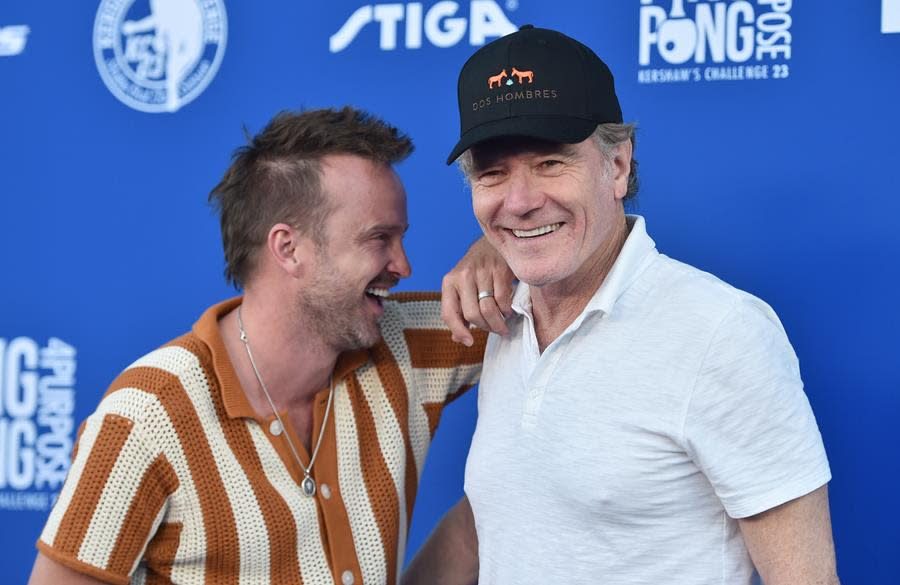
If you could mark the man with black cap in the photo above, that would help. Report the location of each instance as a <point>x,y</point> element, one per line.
<point>642,421</point>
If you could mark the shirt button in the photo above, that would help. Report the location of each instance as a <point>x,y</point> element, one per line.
<point>326,493</point>
<point>275,427</point>
<point>347,578</point>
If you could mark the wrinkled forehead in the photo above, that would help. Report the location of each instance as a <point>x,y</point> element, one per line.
<point>490,152</point>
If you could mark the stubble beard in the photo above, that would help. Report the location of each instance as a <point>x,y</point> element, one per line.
<point>335,314</point>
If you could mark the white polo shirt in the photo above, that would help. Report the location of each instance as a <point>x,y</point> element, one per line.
<point>623,454</point>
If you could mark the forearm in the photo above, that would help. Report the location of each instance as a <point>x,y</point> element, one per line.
<point>46,571</point>
<point>450,555</point>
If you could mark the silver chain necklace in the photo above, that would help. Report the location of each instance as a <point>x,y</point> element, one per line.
<point>308,485</point>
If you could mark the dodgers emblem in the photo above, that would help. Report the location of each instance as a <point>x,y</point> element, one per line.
<point>159,55</point>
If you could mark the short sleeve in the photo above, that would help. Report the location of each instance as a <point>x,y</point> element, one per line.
<point>443,367</point>
<point>748,425</point>
<point>111,502</point>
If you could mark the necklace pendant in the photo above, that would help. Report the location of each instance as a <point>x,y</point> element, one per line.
<point>308,485</point>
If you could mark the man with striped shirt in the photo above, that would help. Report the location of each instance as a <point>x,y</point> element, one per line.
<point>281,439</point>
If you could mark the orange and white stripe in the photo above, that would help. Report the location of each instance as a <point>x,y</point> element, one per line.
<point>177,480</point>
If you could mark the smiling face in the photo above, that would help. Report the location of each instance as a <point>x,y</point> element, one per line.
<point>362,255</point>
<point>550,209</point>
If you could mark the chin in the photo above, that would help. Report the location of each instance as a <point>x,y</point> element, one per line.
<point>360,333</point>
<point>537,275</point>
<point>373,338</point>
<point>369,337</point>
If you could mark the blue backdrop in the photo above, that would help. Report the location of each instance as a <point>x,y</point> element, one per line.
<point>767,142</point>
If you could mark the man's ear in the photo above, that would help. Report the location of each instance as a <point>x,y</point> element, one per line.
<point>290,250</point>
<point>622,169</point>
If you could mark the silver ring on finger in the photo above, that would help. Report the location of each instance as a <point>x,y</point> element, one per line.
<point>485,294</point>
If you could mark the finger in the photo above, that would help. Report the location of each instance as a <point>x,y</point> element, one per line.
<point>479,280</point>
<point>503,290</point>
<point>451,313</point>
<point>489,311</point>
<point>468,300</point>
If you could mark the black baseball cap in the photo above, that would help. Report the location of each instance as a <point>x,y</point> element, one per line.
<point>534,82</point>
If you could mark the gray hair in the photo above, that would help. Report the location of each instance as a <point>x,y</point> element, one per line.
<point>607,137</point>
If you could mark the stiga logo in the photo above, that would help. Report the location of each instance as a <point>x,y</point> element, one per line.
<point>439,24</point>
<point>714,40</point>
<point>12,39</point>
<point>159,55</point>
<point>37,401</point>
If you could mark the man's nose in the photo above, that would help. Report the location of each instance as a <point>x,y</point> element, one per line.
<point>399,264</point>
<point>523,195</point>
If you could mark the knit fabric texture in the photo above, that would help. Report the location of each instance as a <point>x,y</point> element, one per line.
<point>175,479</point>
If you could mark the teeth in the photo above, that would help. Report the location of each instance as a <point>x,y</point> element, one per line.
<point>537,231</point>
<point>378,292</point>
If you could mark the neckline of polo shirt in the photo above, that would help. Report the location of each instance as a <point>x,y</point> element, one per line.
<point>623,272</point>
<point>625,269</point>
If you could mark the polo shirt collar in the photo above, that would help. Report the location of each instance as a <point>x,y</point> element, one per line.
<point>628,265</point>
<point>233,397</point>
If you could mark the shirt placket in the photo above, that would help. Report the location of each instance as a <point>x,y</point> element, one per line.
<point>537,372</point>
<point>540,369</point>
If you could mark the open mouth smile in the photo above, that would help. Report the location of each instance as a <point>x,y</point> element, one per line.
<point>375,296</point>
<point>381,293</point>
<point>538,231</point>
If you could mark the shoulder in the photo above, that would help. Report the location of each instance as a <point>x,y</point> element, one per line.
<point>180,358</point>
<point>413,330</point>
<point>730,329</point>
<point>687,284</point>
<point>159,379</point>
<point>703,299</point>
<point>413,310</point>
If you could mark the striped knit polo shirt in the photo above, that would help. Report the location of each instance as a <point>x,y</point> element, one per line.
<point>175,478</point>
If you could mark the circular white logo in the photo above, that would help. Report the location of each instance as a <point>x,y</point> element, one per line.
<point>158,55</point>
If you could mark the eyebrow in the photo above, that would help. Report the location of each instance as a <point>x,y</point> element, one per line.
<point>491,158</point>
<point>387,227</point>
